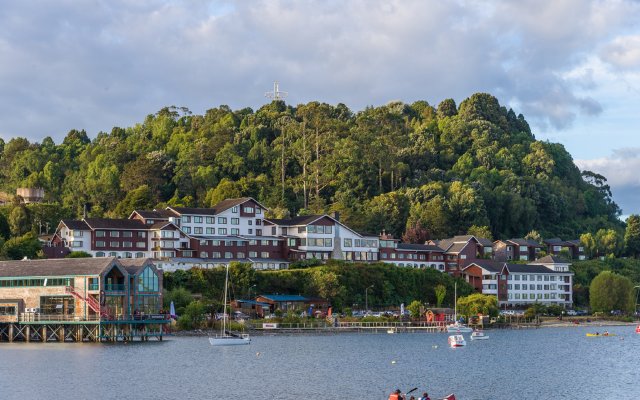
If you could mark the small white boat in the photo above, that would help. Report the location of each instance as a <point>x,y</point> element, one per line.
<point>457,327</point>
<point>391,331</point>
<point>457,341</point>
<point>229,340</point>
<point>226,338</point>
<point>478,335</point>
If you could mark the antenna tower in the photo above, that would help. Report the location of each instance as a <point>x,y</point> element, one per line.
<point>276,94</point>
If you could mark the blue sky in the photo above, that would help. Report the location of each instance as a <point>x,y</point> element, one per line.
<point>572,67</point>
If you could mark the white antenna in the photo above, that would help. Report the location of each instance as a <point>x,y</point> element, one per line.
<point>276,94</point>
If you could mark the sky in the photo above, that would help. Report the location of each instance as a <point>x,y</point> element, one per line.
<point>571,67</point>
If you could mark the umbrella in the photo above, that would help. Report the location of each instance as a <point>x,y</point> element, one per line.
<point>172,311</point>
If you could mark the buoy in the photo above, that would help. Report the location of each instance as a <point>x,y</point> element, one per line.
<point>435,346</point>
<point>393,361</point>
<point>258,354</point>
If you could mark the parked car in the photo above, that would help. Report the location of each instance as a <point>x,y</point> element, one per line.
<point>239,315</point>
<point>572,312</point>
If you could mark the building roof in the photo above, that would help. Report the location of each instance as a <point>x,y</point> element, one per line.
<point>419,247</point>
<point>294,221</point>
<point>283,297</point>
<point>491,266</point>
<point>193,211</point>
<point>253,302</point>
<point>108,223</point>
<point>155,214</point>
<point>525,242</point>
<point>56,267</point>
<point>134,265</point>
<point>75,224</point>
<point>531,268</point>
<point>217,209</point>
<point>552,259</point>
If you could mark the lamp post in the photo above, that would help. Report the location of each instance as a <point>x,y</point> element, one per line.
<point>366,298</point>
<point>637,293</point>
<point>251,287</point>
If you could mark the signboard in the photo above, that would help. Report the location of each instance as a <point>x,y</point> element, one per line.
<point>269,325</point>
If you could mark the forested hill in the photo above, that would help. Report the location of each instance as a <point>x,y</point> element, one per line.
<point>441,168</point>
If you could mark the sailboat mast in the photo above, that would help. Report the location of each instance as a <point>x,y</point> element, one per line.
<point>224,304</point>
<point>455,301</point>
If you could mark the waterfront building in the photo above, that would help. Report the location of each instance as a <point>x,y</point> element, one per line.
<point>571,248</point>
<point>460,250</point>
<point>392,251</point>
<point>85,297</point>
<point>545,281</point>
<point>516,250</point>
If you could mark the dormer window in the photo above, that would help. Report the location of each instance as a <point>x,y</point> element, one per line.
<point>234,209</point>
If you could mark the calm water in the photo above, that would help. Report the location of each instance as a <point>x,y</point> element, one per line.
<point>550,363</point>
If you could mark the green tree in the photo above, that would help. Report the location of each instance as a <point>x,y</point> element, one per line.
<point>534,235</point>
<point>480,232</point>
<point>478,303</point>
<point>137,199</point>
<point>632,236</point>
<point>193,316</point>
<point>17,248</point>
<point>588,241</point>
<point>19,220</point>
<point>415,309</point>
<point>78,254</point>
<point>610,291</point>
<point>441,292</point>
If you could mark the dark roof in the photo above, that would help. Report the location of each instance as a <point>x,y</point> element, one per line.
<point>491,266</point>
<point>552,240</point>
<point>228,203</point>
<point>75,224</point>
<point>56,267</point>
<point>155,214</point>
<point>456,247</point>
<point>552,259</point>
<point>418,247</point>
<point>485,242</point>
<point>161,224</point>
<point>107,223</point>
<point>283,297</point>
<point>531,268</point>
<point>193,211</point>
<point>299,220</point>
<point>525,242</point>
<point>134,265</point>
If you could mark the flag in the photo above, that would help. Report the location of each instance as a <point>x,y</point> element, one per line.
<point>402,309</point>
<point>172,311</point>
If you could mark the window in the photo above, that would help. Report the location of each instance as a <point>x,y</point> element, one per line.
<point>234,209</point>
<point>222,231</point>
<point>100,234</point>
<point>264,242</point>
<point>228,254</point>
<point>249,210</point>
<point>239,254</point>
<point>148,281</point>
<point>264,254</point>
<point>235,221</point>
<point>197,220</point>
<point>76,243</point>
<point>347,242</point>
<point>235,231</point>
<point>259,232</point>
<point>211,231</point>
<point>186,219</point>
<point>127,244</point>
<point>215,254</point>
<point>258,222</point>
<point>139,255</point>
<point>128,255</point>
<point>114,234</point>
<point>253,254</point>
<point>142,234</point>
<point>258,210</point>
<point>250,231</point>
<point>113,254</point>
<point>100,254</point>
<point>204,254</point>
<point>114,244</point>
<point>127,234</point>
<point>222,220</point>
<point>101,243</point>
<point>141,245</point>
<point>197,230</point>
<point>77,233</point>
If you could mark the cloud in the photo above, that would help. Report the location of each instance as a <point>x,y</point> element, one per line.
<point>623,52</point>
<point>620,169</point>
<point>102,64</point>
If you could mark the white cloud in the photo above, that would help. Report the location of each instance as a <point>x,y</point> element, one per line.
<point>95,65</point>
<point>623,52</point>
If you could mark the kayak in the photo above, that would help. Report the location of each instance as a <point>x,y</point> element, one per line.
<point>600,334</point>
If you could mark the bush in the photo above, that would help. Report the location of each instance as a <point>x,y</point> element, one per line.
<point>193,316</point>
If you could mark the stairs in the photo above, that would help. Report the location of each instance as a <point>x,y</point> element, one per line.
<point>91,302</point>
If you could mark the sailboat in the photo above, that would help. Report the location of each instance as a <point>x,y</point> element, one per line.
<point>457,327</point>
<point>227,338</point>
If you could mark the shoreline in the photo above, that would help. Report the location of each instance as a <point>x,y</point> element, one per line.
<point>382,330</point>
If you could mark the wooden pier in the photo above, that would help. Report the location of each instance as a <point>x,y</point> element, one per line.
<point>54,328</point>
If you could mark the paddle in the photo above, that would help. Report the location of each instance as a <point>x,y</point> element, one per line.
<point>411,391</point>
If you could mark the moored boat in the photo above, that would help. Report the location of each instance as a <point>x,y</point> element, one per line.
<point>457,341</point>
<point>457,327</point>
<point>597,334</point>
<point>227,338</point>
<point>478,335</point>
<point>638,329</point>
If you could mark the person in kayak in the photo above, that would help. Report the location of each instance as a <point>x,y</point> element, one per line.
<point>425,396</point>
<point>397,395</point>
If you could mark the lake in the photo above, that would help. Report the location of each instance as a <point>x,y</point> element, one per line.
<point>548,363</point>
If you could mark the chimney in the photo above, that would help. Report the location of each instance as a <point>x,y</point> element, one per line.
<point>336,215</point>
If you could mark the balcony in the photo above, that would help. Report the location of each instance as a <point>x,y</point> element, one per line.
<point>94,286</point>
<point>116,287</point>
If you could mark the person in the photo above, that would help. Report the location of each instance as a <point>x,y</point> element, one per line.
<point>412,398</point>
<point>397,395</point>
<point>425,396</point>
